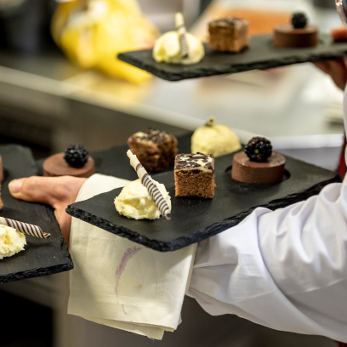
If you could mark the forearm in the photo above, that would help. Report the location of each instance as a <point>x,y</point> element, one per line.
<point>285,269</point>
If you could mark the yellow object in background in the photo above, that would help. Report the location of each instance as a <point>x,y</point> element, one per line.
<point>92,32</point>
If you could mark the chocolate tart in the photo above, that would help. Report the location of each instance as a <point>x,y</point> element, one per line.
<point>285,35</point>
<point>56,165</point>
<point>269,172</point>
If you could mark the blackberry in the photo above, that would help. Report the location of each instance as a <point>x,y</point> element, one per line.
<point>299,20</point>
<point>258,149</point>
<point>76,156</point>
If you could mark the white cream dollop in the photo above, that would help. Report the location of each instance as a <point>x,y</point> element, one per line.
<point>11,241</point>
<point>167,49</point>
<point>135,202</point>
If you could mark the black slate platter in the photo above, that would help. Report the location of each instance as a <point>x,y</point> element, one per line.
<point>261,55</point>
<point>194,220</point>
<point>41,257</point>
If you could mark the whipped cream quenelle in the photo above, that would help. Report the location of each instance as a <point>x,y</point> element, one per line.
<point>167,49</point>
<point>135,202</point>
<point>11,241</point>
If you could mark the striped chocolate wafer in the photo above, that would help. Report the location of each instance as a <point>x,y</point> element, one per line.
<point>181,29</point>
<point>25,228</point>
<point>152,188</point>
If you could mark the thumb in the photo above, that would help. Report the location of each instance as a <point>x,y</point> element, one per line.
<point>32,189</point>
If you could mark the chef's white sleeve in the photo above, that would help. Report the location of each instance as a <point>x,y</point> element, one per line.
<point>286,269</point>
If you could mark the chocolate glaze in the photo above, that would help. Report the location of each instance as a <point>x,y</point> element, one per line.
<point>196,161</point>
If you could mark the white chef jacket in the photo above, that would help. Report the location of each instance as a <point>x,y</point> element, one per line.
<point>286,269</point>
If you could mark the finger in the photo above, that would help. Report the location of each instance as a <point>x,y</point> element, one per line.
<point>34,189</point>
<point>48,190</point>
<point>339,34</point>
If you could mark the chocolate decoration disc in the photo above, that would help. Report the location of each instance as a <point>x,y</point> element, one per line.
<point>285,35</point>
<point>55,165</point>
<point>269,172</point>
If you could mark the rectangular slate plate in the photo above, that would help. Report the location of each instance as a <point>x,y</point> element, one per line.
<point>40,257</point>
<point>194,220</point>
<point>261,55</point>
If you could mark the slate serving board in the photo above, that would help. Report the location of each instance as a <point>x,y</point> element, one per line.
<point>41,257</point>
<point>261,55</point>
<point>194,220</point>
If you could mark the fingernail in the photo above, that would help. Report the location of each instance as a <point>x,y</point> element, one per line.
<point>14,186</point>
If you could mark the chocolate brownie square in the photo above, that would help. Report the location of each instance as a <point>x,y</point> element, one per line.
<point>194,176</point>
<point>155,149</point>
<point>228,34</point>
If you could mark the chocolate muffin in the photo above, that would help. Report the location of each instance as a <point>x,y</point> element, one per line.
<point>155,149</point>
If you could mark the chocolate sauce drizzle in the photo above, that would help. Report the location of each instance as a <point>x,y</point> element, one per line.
<point>194,161</point>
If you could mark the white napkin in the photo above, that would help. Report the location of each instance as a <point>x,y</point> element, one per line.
<point>123,284</point>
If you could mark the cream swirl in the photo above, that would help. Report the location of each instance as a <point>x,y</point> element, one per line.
<point>167,49</point>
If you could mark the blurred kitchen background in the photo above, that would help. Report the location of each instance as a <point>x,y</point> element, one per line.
<point>53,96</point>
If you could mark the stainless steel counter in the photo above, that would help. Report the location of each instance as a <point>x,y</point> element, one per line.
<point>87,107</point>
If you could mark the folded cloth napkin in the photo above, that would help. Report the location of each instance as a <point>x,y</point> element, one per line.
<point>123,284</point>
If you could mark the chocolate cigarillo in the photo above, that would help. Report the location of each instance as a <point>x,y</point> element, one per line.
<point>25,228</point>
<point>147,181</point>
<point>181,29</point>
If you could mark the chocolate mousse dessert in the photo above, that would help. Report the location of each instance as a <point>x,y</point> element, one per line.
<point>296,34</point>
<point>155,149</point>
<point>228,34</point>
<point>258,164</point>
<point>75,161</point>
<point>194,176</point>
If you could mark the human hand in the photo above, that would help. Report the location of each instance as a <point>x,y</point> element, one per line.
<point>337,69</point>
<point>59,192</point>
